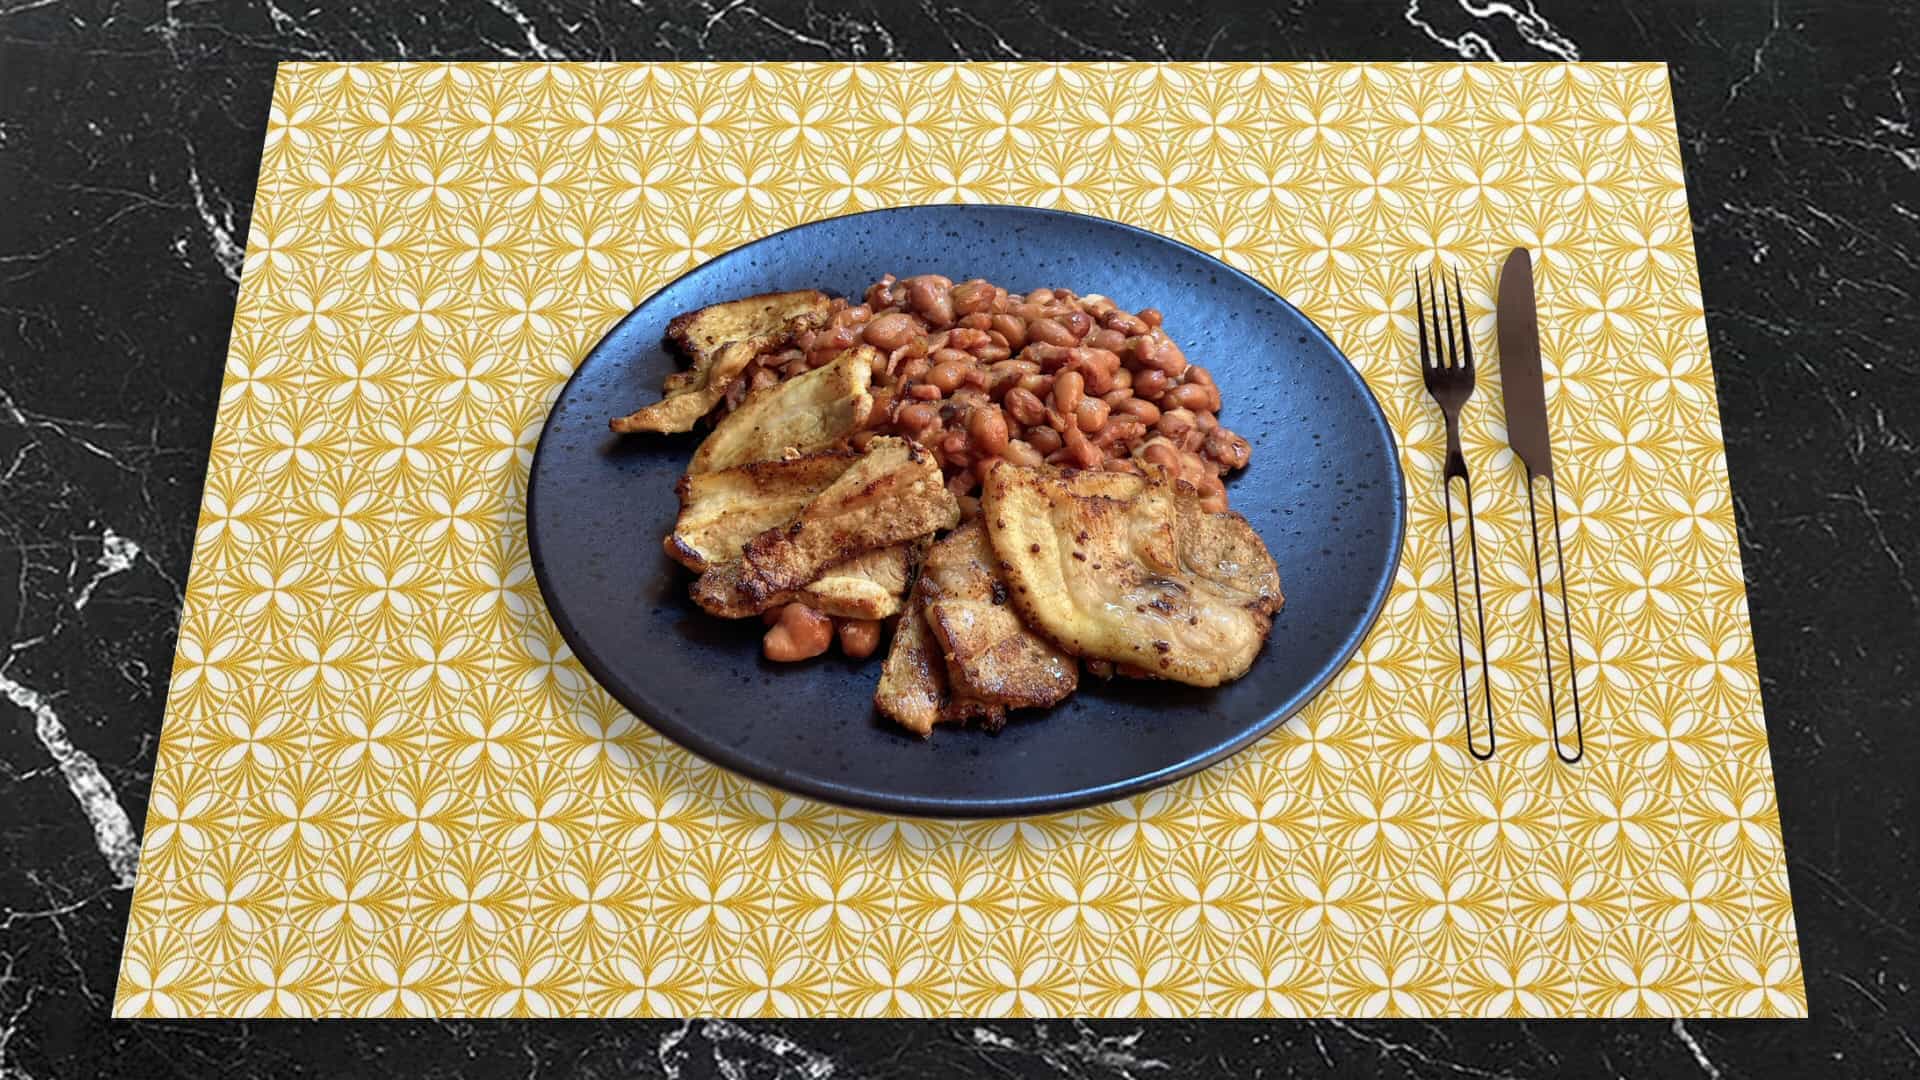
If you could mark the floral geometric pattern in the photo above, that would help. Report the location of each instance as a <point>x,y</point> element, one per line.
<point>386,788</point>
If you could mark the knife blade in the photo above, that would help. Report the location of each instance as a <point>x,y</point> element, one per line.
<point>1522,386</point>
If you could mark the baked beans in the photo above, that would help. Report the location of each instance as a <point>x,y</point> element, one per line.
<point>950,374</point>
<point>1068,387</point>
<point>1150,385</point>
<point>1122,430</point>
<point>987,429</point>
<point>798,633</point>
<point>858,637</point>
<point>1021,452</point>
<point>979,374</point>
<point>1025,406</point>
<point>1091,414</point>
<point>1190,396</point>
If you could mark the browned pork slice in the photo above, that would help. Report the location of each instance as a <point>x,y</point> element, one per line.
<point>913,681</point>
<point>892,495</point>
<point>721,340</point>
<point>994,662</point>
<point>1151,581</point>
<point>720,511</point>
<point>805,413</point>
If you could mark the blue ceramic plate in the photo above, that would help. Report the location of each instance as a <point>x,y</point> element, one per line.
<point>1324,490</point>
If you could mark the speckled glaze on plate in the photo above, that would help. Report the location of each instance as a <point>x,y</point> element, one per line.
<point>1324,490</point>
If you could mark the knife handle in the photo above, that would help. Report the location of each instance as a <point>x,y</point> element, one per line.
<point>1479,607</point>
<point>1566,620</point>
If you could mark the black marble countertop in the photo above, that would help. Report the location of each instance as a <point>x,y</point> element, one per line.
<point>130,134</point>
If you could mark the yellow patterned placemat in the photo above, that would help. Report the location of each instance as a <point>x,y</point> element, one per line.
<point>385,787</point>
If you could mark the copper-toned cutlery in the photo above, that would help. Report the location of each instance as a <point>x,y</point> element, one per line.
<point>1447,368</point>
<point>1523,388</point>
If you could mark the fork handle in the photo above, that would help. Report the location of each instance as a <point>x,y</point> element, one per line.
<point>1456,462</point>
<point>1479,607</point>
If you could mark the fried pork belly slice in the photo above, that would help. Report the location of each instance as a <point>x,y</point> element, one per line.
<point>868,586</point>
<point>894,493</point>
<point>1151,582</point>
<point>804,413</point>
<point>993,661</point>
<point>913,690</point>
<point>960,708</point>
<point>722,340</point>
<point>701,332</point>
<point>721,511</point>
<point>1087,483</point>
<point>913,681</point>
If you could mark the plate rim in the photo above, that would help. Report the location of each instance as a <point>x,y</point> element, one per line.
<point>718,753</point>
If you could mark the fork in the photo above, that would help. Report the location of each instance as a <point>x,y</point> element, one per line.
<point>1447,369</point>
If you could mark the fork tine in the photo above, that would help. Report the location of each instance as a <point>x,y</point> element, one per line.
<point>1453,347</point>
<point>1466,324</point>
<point>1439,342</point>
<point>1420,310</point>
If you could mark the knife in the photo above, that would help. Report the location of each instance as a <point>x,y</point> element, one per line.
<point>1523,391</point>
<point>1522,386</point>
